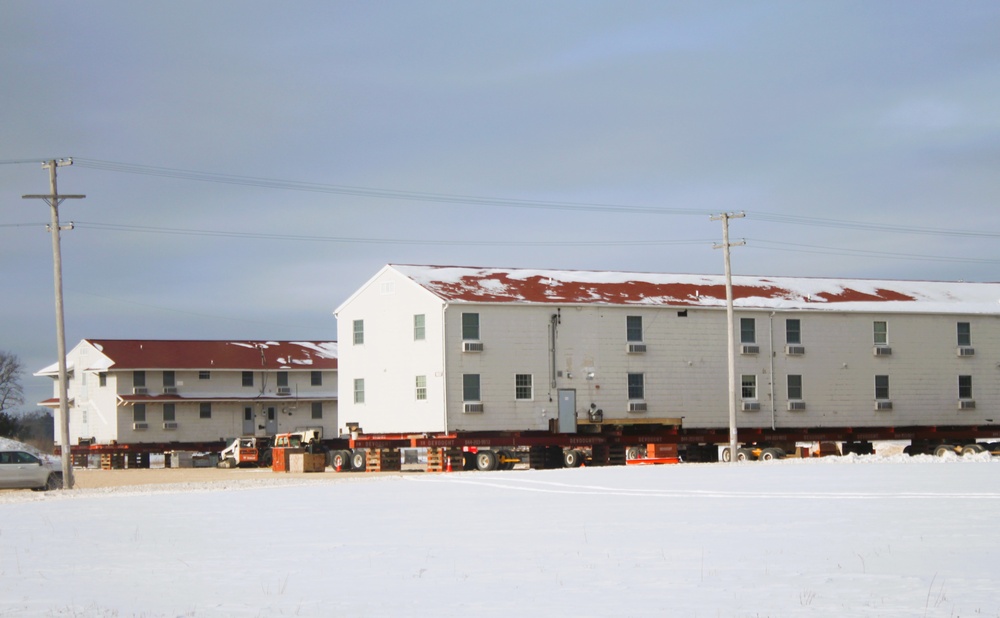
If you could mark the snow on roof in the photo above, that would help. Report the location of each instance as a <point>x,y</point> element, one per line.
<point>201,354</point>
<point>457,284</point>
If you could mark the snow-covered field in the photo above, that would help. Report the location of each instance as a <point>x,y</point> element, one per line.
<point>852,536</point>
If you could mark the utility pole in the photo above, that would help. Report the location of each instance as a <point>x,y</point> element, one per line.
<point>730,324</point>
<point>53,200</point>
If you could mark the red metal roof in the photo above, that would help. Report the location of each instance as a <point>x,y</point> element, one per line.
<point>201,354</point>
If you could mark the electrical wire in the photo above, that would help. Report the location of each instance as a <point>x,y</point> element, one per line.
<point>821,250</point>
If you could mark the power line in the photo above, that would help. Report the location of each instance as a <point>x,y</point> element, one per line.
<point>889,228</point>
<point>385,241</point>
<point>821,250</point>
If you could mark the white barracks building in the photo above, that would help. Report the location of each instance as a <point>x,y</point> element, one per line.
<point>142,391</point>
<point>446,349</point>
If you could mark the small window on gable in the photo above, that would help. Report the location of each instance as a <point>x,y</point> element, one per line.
<point>359,332</point>
<point>419,328</point>
<point>421,386</point>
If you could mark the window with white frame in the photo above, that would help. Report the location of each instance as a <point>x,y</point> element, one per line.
<point>523,390</point>
<point>633,328</point>
<point>421,388</point>
<point>636,386</point>
<point>205,410</point>
<point>283,378</point>
<point>748,386</point>
<point>793,331</point>
<point>169,379</point>
<point>964,334</point>
<point>102,379</point>
<point>139,378</point>
<point>880,332</point>
<point>316,378</point>
<point>139,413</point>
<point>881,387</point>
<point>359,390</point>
<point>794,387</point>
<point>471,387</point>
<point>317,410</point>
<point>748,330</point>
<point>247,378</point>
<point>169,413</point>
<point>965,387</point>
<point>359,332</point>
<point>419,329</point>
<point>204,375</point>
<point>470,326</point>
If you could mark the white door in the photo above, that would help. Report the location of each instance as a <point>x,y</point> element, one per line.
<point>272,421</point>
<point>567,410</point>
<point>248,424</point>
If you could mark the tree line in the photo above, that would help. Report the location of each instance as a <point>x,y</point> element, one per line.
<point>36,427</point>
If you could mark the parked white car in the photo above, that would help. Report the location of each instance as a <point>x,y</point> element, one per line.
<point>23,470</point>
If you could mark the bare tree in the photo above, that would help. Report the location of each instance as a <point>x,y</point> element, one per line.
<point>11,392</point>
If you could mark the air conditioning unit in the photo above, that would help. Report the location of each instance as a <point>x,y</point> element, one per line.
<point>751,406</point>
<point>472,346</point>
<point>751,349</point>
<point>284,390</point>
<point>796,406</point>
<point>883,405</point>
<point>967,404</point>
<point>170,425</point>
<point>140,390</point>
<point>169,390</point>
<point>140,426</point>
<point>883,350</point>
<point>473,408</point>
<point>637,406</point>
<point>795,350</point>
<point>636,348</point>
<point>966,351</point>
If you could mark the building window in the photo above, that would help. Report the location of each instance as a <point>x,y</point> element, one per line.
<point>359,332</point>
<point>633,328</point>
<point>359,390</point>
<point>421,384</point>
<point>139,413</point>
<point>748,387</point>
<point>965,387</point>
<point>139,378</point>
<point>470,326</point>
<point>881,387</point>
<point>247,378</point>
<point>964,333</point>
<point>247,413</point>
<point>169,413</point>
<point>748,330</point>
<point>522,387</point>
<point>169,378</point>
<point>316,378</point>
<point>317,410</point>
<point>795,387</point>
<point>102,379</point>
<point>419,331</point>
<point>793,331</point>
<point>283,379</point>
<point>881,333</point>
<point>205,410</point>
<point>636,386</point>
<point>470,387</point>
<point>204,375</point>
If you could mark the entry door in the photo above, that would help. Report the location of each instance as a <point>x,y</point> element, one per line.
<point>248,424</point>
<point>272,421</point>
<point>567,410</point>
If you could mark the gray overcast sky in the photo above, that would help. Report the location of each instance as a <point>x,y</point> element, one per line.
<point>877,114</point>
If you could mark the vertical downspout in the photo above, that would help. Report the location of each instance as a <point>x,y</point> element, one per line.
<point>553,324</point>
<point>770,355</point>
<point>444,366</point>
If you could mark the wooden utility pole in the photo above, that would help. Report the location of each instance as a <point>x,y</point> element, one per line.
<point>730,325</point>
<point>53,200</point>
